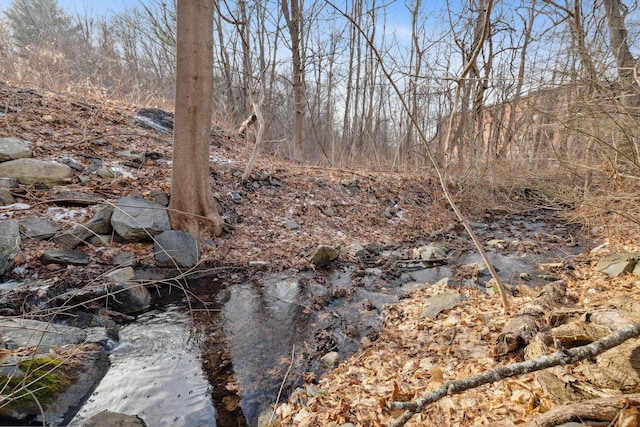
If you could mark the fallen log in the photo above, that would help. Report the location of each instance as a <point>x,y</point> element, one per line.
<point>517,334</point>
<point>623,409</point>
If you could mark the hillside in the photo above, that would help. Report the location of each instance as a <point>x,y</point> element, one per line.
<point>281,216</point>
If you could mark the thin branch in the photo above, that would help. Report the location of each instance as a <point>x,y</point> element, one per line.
<point>497,374</point>
<point>425,142</point>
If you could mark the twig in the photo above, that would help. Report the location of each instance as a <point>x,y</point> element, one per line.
<point>273,414</point>
<point>556,359</point>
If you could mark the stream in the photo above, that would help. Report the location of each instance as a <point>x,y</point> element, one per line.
<point>259,335</point>
<point>155,373</point>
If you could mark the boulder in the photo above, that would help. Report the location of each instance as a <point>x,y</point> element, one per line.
<point>28,171</point>
<point>100,223</point>
<point>9,243</point>
<point>174,248</point>
<point>14,148</point>
<point>137,219</point>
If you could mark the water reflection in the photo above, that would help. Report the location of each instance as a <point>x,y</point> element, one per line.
<point>263,323</point>
<point>156,374</point>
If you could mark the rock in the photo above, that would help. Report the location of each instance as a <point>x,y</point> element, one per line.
<point>258,264</point>
<point>174,248</point>
<point>442,301</point>
<point>154,118</point>
<point>114,419</point>
<point>497,243</point>
<point>59,385</point>
<point>291,224</point>
<point>100,223</point>
<point>76,198</point>
<point>64,257</point>
<point>331,359</point>
<point>6,198</point>
<point>160,198</point>
<point>357,250</point>
<point>138,219</point>
<point>28,171</point>
<point>22,332</point>
<point>324,255</point>
<point>37,228</point>
<point>9,243</point>
<point>129,298</point>
<point>429,252</point>
<point>131,157</point>
<point>124,274</point>
<point>106,173</point>
<point>14,148</point>
<point>125,259</point>
<point>617,265</point>
<point>373,248</point>
<point>236,197</point>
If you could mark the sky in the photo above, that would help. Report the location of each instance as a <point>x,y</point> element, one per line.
<point>100,7</point>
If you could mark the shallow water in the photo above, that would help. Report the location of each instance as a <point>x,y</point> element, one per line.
<point>156,374</point>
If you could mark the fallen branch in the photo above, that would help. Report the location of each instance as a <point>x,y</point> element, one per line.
<point>556,359</point>
<point>604,409</point>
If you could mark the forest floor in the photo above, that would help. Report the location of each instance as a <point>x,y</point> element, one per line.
<point>280,216</point>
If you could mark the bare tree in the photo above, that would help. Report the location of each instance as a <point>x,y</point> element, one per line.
<point>292,12</point>
<point>193,208</point>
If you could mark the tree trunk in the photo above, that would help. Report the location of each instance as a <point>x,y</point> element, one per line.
<point>615,12</point>
<point>193,208</point>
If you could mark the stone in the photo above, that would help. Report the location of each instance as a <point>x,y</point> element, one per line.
<point>64,257</point>
<point>357,250</point>
<point>331,359</point>
<point>6,198</point>
<point>429,252</point>
<point>131,157</point>
<point>137,219</point>
<point>325,254</point>
<point>29,171</point>
<point>106,173</point>
<point>160,198</point>
<point>114,419</point>
<point>14,148</point>
<point>617,265</point>
<point>497,243</point>
<point>129,298</point>
<point>291,224</point>
<point>174,248</point>
<point>123,274</point>
<point>125,259</point>
<point>100,223</point>
<point>76,198</point>
<point>440,302</point>
<point>27,333</point>
<point>154,118</point>
<point>37,228</point>
<point>9,243</point>
<point>258,264</point>
<point>71,382</point>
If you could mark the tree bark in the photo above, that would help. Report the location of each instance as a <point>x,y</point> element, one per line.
<point>193,208</point>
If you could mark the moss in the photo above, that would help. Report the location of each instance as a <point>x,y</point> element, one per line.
<point>44,377</point>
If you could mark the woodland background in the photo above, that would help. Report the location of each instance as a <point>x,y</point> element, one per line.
<point>535,93</point>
